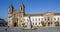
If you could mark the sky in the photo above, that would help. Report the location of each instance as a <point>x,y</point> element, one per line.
<point>31,6</point>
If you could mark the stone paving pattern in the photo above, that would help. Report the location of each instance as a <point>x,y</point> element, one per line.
<point>44,29</point>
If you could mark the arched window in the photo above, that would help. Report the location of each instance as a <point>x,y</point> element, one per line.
<point>45,19</point>
<point>48,19</point>
<point>14,16</point>
<point>21,8</point>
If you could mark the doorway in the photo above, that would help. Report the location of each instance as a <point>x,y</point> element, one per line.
<point>15,24</point>
<point>48,23</point>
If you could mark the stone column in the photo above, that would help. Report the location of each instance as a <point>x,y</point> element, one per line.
<point>46,24</point>
<point>53,24</point>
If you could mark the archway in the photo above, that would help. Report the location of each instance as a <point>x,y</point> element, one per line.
<point>15,24</point>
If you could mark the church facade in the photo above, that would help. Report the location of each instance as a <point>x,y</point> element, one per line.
<point>20,19</point>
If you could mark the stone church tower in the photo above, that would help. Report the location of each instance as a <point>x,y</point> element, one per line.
<point>10,15</point>
<point>21,15</point>
<point>15,18</point>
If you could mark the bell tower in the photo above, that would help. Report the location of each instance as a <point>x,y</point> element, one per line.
<point>21,14</point>
<point>10,14</point>
<point>10,9</point>
<point>22,8</point>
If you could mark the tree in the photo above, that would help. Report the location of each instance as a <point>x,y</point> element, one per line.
<point>43,23</point>
<point>3,22</point>
<point>57,23</point>
<point>23,24</point>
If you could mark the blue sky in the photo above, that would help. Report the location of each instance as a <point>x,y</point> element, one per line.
<point>31,6</point>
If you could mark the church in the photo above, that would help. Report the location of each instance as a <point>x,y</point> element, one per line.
<point>20,19</point>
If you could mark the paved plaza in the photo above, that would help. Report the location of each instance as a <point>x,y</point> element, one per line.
<point>44,29</point>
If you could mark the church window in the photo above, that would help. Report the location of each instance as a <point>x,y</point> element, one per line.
<point>21,8</point>
<point>48,19</point>
<point>45,19</point>
<point>14,16</point>
<point>54,18</point>
<point>17,19</point>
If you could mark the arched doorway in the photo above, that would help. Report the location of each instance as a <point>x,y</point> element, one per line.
<point>15,24</point>
<point>48,23</point>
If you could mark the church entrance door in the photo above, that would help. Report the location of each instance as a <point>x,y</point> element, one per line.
<point>15,24</point>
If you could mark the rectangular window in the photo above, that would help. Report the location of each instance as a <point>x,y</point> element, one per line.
<point>54,18</point>
<point>39,19</point>
<point>42,19</point>
<point>39,23</point>
<point>45,19</point>
<point>33,19</point>
<point>33,23</point>
<point>36,19</point>
<point>58,18</point>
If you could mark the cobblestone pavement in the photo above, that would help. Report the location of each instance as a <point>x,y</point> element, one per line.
<point>44,29</point>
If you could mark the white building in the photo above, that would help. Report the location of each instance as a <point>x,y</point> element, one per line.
<point>46,17</point>
<point>21,19</point>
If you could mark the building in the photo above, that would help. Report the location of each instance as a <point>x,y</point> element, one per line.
<point>2,22</point>
<point>20,19</point>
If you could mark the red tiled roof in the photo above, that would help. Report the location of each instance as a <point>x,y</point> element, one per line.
<point>40,14</point>
<point>56,13</point>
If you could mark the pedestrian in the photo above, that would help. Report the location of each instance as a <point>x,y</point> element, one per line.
<point>6,29</point>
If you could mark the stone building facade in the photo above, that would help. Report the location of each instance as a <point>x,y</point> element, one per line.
<point>15,17</point>
<point>19,18</point>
